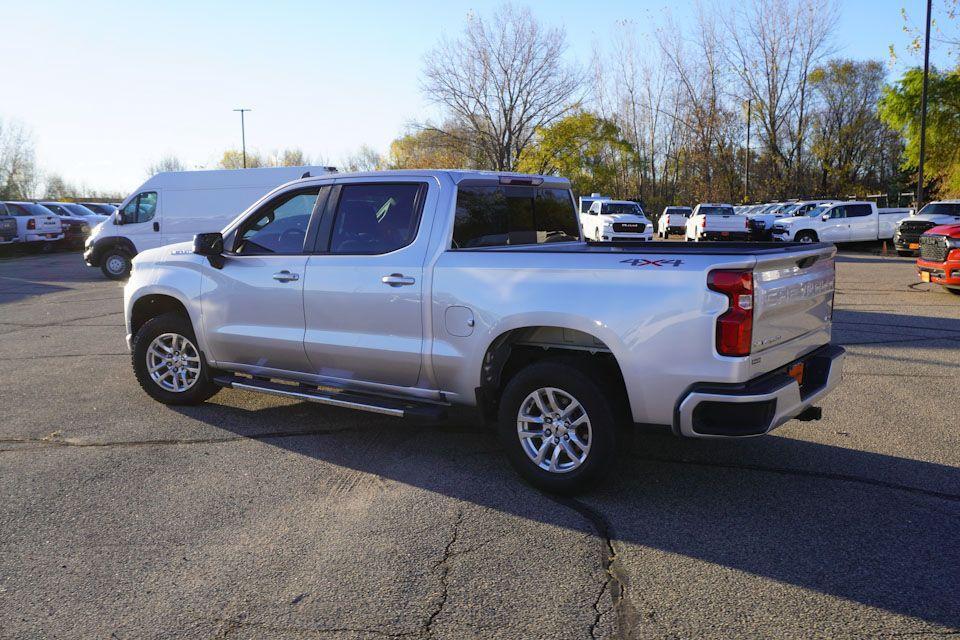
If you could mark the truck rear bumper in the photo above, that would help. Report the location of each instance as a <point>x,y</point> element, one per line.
<point>753,408</point>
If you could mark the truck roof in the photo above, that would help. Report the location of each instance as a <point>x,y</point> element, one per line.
<point>457,176</point>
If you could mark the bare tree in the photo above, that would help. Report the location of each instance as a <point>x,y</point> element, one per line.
<point>19,176</point>
<point>772,46</point>
<point>366,158</point>
<point>166,163</point>
<point>501,80</point>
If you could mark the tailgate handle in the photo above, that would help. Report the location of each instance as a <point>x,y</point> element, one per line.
<point>807,262</point>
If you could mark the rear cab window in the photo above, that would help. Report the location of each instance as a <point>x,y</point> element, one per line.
<point>508,215</point>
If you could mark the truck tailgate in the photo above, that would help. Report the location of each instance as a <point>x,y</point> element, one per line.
<point>793,296</point>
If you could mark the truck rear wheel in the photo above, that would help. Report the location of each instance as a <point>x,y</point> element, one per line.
<point>115,264</point>
<point>558,426</point>
<point>168,363</point>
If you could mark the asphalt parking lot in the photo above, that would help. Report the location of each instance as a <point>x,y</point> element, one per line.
<point>255,517</point>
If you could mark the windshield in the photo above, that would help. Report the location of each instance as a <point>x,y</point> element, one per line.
<point>622,207</point>
<point>941,209</point>
<point>816,211</point>
<point>77,209</point>
<point>789,211</point>
<point>716,211</point>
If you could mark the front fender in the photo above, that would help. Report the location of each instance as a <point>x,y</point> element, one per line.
<point>178,279</point>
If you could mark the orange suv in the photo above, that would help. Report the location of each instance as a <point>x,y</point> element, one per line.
<point>939,260</point>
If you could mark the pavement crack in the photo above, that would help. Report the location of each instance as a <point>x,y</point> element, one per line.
<point>615,583</point>
<point>443,567</point>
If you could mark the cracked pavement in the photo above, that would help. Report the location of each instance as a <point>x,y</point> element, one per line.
<point>254,517</point>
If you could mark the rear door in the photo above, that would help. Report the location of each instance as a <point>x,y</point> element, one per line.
<point>363,291</point>
<point>862,222</point>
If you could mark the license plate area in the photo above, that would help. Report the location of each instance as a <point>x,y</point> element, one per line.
<point>925,276</point>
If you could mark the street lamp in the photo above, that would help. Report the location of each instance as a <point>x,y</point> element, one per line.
<point>243,135</point>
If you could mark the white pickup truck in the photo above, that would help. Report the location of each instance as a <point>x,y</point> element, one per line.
<point>713,221</point>
<point>404,293</point>
<point>840,222</point>
<point>672,220</point>
<point>616,221</point>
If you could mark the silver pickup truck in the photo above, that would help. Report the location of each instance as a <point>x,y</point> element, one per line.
<point>404,293</point>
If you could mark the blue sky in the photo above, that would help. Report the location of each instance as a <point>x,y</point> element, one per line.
<point>109,87</point>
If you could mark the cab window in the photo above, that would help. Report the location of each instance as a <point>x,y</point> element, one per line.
<point>857,210</point>
<point>280,226</point>
<point>837,213</point>
<point>490,216</point>
<point>141,208</point>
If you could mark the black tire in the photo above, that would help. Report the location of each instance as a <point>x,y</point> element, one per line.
<point>203,389</point>
<point>109,261</point>
<point>811,235</point>
<point>606,417</point>
<point>955,292</point>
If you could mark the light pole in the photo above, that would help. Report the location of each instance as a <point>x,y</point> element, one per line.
<point>746,170</point>
<point>243,135</point>
<point>923,108</point>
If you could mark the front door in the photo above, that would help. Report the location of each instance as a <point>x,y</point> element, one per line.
<point>364,285</point>
<point>835,228</point>
<point>253,305</point>
<point>141,220</point>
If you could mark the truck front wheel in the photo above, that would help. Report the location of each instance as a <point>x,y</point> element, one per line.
<point>558,425</point>
<point>807,237</point>
<point>168,363</point>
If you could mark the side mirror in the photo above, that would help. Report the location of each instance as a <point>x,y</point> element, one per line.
<point>825,217</point>
<point>211,246</point>
<point>118,217</point>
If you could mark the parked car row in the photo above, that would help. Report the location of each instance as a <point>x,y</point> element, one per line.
<point>44,225</point>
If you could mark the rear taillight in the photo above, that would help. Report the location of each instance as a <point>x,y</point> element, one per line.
<point>703,225</point>
<point>746,223</point>
<point>32,223</point>
<point>735,326</point>
<point>668,220</point>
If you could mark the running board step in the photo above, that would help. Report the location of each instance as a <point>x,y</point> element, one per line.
<point>337,398</point>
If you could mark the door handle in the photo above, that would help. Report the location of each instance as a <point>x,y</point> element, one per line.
<point>286,276</point>
<point>397,280</point>
<point>156,226</point>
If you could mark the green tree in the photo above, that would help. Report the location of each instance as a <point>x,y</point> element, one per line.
<point>589,150</point>
<point>900,109</point>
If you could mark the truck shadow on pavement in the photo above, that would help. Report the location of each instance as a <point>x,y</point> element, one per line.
<point>874,529</point>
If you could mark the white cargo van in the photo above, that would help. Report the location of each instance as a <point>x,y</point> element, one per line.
<point>174,206</point>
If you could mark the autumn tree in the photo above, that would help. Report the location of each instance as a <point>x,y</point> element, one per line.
<point>431,149</point>
<point>585,148</point>
<point>852,146</point>
<point>500,81</point>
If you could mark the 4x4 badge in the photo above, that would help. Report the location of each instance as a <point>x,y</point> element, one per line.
<point>643,262</point>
